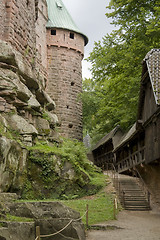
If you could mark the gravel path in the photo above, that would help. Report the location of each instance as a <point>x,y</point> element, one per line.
<point>133,226</point>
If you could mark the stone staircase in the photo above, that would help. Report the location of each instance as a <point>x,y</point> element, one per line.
<point>131,195</point>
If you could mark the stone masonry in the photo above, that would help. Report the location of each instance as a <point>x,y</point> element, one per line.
<point>53,54</point>
<point>65,80</point>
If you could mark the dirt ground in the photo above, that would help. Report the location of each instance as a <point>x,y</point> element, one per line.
<point>130,226</point>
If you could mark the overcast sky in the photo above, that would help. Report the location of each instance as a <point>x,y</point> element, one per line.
<point>89,15</point>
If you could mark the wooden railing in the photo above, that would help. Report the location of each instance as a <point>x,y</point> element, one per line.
<point>131,161</point>
<point>143,185</point>
<point>103,159</point>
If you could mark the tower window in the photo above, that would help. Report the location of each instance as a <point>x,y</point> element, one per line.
<point>53,32</point>
<point>70,125</point>
<point>72,83</point>
<point>71,35</point>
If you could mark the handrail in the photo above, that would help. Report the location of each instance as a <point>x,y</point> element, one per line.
<point>145,188</point>
<point>130,161</point>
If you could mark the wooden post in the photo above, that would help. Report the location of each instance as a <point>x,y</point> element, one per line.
<point>149,198</point>
<point>123,199</point>
<point>114,209</point>
<point>37,232</point>
<point>87,215</point>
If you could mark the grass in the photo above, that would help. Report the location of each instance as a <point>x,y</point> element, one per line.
<point>101,207</point>
<point>18,219</point>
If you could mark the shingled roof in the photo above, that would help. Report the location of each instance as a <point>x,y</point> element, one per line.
<point>59,17</point>
<point>126,137</point>
<point>152,61</point>
<point>106,138</point>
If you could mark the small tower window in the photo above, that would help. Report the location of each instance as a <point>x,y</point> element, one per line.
<point>53,32</point>
<point>71,35</point>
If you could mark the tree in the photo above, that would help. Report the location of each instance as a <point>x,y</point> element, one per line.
<point>116,61</point>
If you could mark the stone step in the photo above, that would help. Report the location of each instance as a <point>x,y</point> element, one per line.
<point>133,198</point>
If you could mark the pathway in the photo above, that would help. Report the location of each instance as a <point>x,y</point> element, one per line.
<point>132,226</point>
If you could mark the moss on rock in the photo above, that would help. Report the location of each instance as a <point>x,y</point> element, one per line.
<point>60,171</point>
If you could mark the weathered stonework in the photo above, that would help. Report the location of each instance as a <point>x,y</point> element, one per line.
<point>53,55</point>
<point>18,26</point>
<point>64,86</point>
<point>23,110</point>
<point>41,43</point>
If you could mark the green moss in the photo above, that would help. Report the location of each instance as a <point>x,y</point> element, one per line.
<point>46,116</point>
<point>45,171</point>
<point>18,219</point>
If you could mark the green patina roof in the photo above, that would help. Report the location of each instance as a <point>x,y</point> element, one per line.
<point>59,17</point>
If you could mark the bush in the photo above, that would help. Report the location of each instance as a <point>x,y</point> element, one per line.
<point>62,171</point>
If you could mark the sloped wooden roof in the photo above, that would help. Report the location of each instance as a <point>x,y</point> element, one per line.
<point>126,137</point>
<point>106,138</point>
<point>150,72</point>
<point>152,60</point>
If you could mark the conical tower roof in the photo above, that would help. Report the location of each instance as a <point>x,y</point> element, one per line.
<point>59,17</point>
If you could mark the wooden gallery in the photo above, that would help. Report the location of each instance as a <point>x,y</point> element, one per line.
<point>139,149</point>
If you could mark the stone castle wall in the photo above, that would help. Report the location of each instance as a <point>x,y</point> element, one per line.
<point>23,26</point>
<point>18,26</point>
<point>41,21</point>
<point>65,38</point>
<point>64,86</point>
<point>65,53</point>
<point>2,18</point>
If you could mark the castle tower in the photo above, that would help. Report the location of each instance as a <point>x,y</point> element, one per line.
<point>65,50</point>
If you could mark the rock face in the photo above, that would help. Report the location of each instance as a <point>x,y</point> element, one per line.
<point>26,114</point>
<point>23,95</point>
<point>50,216</point>
<point>12,164</point>
<point>26,117</point>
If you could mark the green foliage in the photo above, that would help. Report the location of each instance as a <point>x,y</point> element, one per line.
<point>47,177</point>
<point>8,132</point>
<point>100,207</point>
<point>18,219</point>
<point>46,116</point>
<point>116,65</point>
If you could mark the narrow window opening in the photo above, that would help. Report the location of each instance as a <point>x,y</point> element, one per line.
<point>70,125</point>
<point>53,32</point>
<point>27,3</point>
<point>67,106</point>
<point>72,84</point>
<point>72,35</point>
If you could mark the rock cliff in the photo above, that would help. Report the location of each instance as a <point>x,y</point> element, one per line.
<point>31,163</point>
<point>26,114</point>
